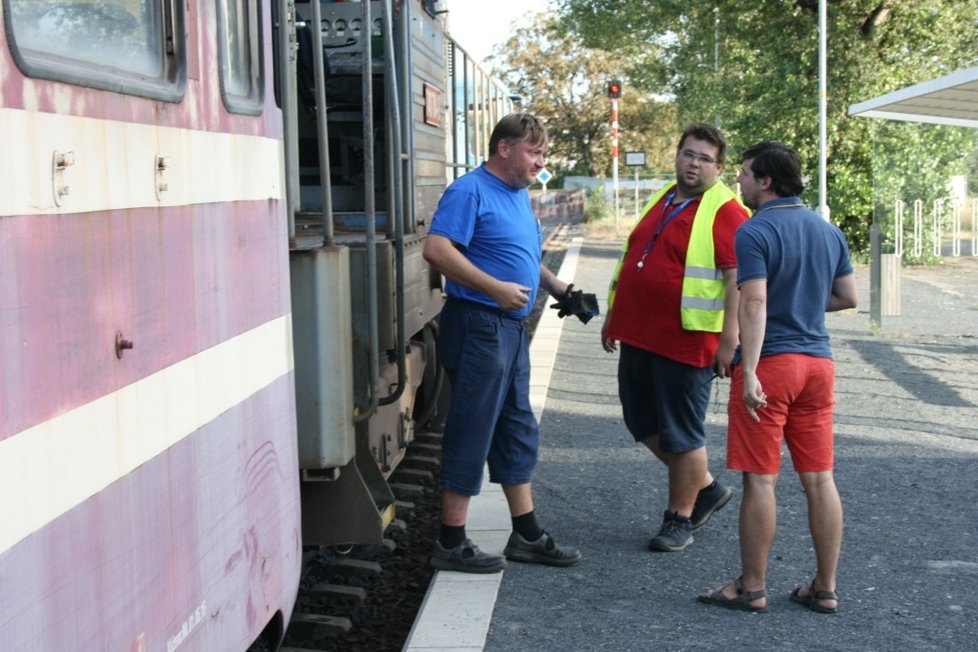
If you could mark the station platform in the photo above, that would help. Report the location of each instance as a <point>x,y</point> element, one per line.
<point>907,447</point>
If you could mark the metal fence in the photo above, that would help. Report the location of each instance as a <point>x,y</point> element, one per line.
<point>565,206</point>
<point>939,228</point>
<point>916,230</point>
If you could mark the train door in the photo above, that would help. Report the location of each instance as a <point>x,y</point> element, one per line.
<point>363,298</point>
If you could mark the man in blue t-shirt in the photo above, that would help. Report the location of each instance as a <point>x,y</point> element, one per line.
<point>792,268</point>
<point>486,240</point>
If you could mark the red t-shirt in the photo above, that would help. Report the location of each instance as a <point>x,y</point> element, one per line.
<point>645,313</point>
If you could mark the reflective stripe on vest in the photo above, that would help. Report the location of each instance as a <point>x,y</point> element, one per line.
<point>701,304</point>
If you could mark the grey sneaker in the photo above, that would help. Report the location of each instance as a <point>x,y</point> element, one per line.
<point>542,551</point>
<point>709,501</point>
<point>466,558</point>
<point>676,534</point>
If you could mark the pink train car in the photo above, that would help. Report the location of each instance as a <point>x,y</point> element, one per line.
<point>217,333</point>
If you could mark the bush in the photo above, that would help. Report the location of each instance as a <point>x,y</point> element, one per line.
<point>596,207</point>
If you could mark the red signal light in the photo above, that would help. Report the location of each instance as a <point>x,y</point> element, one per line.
<point>614,89</point>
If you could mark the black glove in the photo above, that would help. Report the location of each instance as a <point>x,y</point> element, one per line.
<point>577,303</point>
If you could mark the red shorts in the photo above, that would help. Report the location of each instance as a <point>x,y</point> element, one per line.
<point>800,398</point>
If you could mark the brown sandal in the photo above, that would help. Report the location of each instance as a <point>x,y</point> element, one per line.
<point>741,601</point>
<point>811,599</point>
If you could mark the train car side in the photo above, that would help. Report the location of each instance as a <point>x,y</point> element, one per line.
<point>147,424</point>
<point>201,321</point>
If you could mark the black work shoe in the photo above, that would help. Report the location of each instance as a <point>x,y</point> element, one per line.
<point>466,558</point>
<point>675,535</point>
<point>709,500</point>
<point>542,551</point>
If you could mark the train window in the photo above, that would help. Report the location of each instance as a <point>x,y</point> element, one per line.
<point>126,46</point>
<point>240,40</point>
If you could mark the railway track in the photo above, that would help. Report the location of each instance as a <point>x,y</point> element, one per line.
<point>367,597</point>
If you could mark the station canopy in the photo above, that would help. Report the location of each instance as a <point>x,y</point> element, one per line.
<point>949,100</point>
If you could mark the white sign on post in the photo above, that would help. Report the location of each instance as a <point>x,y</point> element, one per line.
<point>635,159</point>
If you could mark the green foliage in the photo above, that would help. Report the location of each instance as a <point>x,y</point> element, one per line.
<point>565,84</point>
<point>752,68</point>
<point>911,164</point>
<point>596,208</point>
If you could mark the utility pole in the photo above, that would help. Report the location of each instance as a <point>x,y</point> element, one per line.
<point>823,26</point>
<point>614,92</point>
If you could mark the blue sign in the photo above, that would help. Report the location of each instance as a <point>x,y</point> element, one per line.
<point>544,175</point>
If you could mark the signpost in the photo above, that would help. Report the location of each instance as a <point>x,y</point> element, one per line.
<point>543,176</point>
<point>635,160</point>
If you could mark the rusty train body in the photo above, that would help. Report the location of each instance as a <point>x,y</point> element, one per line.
<point>216,328</point>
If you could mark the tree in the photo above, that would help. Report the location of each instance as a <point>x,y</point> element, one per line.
<point>752,67</point>
<point>565,84</point>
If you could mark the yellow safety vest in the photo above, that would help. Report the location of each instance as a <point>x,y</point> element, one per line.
<point>701,305</point>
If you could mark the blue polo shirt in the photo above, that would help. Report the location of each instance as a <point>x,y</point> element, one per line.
<point>495,228</point>
<point>800,255</point>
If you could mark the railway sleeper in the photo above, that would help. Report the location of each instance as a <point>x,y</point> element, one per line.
<point>420,462</point>
<point>318,621</point>
<point>427,438</point>
<point>404,490</point>
<point>426,449</point>
<point>355,594</point>
<point>416,475</point>
<point>386,546</point>
<point>402,507</point>
<point>356,567</point>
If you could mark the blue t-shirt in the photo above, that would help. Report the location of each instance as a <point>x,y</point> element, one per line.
<point>497,231</point>
<point>800,255</point>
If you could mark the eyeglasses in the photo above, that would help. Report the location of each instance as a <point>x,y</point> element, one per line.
<point>690,155</point>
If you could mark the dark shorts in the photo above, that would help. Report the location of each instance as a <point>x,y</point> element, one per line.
<point>486,356</point>
<point>663,397</point>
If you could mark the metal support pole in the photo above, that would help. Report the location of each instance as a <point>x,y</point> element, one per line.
<point>636,193</point>
<point>287,46</point>
<point>322,124</point>
<point>875,269</point>
<point>614,156</point>
<point>369,215</point>
<point>823,203</point>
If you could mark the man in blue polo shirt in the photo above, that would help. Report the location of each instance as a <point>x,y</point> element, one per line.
<point>486,240</point>
<point>793,267</point>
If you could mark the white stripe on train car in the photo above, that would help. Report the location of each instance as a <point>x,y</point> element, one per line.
<point>115,165</point>
<point>50,468</point>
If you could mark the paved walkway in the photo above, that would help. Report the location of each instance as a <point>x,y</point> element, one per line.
<point>907,454</point>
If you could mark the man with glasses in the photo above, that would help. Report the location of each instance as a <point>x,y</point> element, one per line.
<point>673,306</point>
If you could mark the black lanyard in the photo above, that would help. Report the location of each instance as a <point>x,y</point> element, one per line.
<point>662,224</point>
